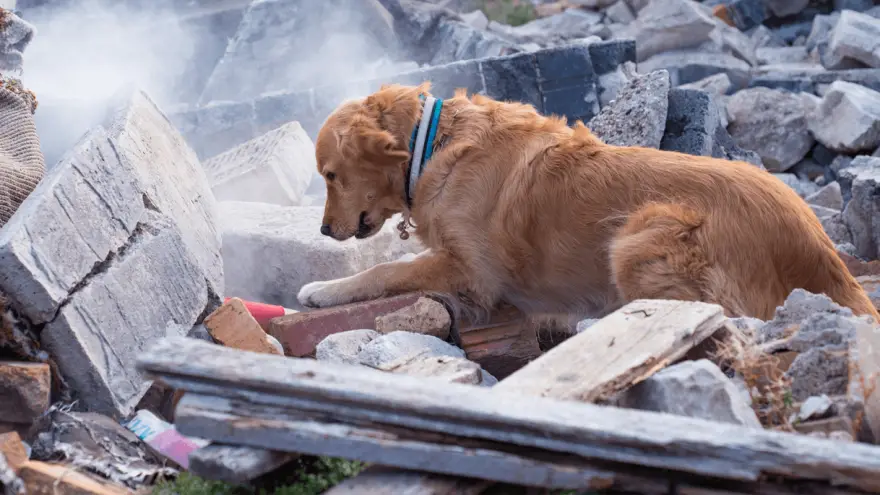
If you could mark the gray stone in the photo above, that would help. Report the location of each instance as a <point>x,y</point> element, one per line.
<point>690,66</point>
<point>276,168</point>
<point>747,14</point>
<point>815,407</point>
<point>829,197</point>
<point>637,117</point>
<point>798,307</point>
<point>569,24</point>
<point>782,55</point>
<point>665,25</point>
<point>620,12</point>
<point>733,41</point>
<point>783,8</point>
<point>397,348</point>
<point>820,36</point>
<point>772,123</point>
<point>804,188</point>
<point>696,389</point>
<point>856,36</point>
<point>837,230</point>
<point>271,251</point>
<point>266,53</point>
<point>344,347</point>
<point>861,183</point>
<point>763,37</point>
<point>857,5</point>
<point>476,19</point>
<point>693,126</point>
<point>15,36</point>
<point>117,242</point>
<point>848,119</point>
<point>446,368</point>
<point>717,85</point>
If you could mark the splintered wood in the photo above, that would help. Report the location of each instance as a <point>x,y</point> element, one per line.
<point>502,434</point>
<point>619,351</point>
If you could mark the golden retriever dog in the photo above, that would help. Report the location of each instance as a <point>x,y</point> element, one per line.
<point>517,207</point>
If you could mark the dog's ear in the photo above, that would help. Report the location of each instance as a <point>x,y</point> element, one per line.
<point>363,138</point>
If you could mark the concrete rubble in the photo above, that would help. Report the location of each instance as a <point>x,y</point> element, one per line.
<point>197,215</point>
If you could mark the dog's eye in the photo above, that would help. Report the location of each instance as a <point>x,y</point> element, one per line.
<point>330,175</point>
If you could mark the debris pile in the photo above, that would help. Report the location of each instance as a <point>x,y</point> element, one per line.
<point>163,226</point>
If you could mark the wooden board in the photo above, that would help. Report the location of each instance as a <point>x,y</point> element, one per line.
<point>618,351</point>
<point>352,395</point>
<point>233,422</point>
<point>234,463</point>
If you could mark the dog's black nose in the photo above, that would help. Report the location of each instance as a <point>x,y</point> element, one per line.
<point>325,229</point>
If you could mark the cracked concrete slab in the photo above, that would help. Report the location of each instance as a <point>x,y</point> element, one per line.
<point>117,246</point>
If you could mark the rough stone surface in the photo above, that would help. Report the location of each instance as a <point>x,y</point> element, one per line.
<point>772,123</point>
<point>637,117</point>
<point>782,55</point>
<point>265,54</point>
<point>856,36</point>
<point>692,65</point>
<point>15,35</point>
<point>804,188</point>
<point>815,407</point>
<point>698,389</point>
<point>861,186</point>
<point>25,389</point>
<point>396,348</point>
<point>821,332</point>
<point>782,8</point>
<point>717,85</point>
<point>276,168</point>
<point>665,25</point>
<point>344,347</point>
<point>693,126</point>
<point>848,119</point>
<point>829,197</point>
<point>117,242</point>
<point>426,316</point>
<point>271,251</point>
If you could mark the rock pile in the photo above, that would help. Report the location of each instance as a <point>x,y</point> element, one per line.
<point>157,219</point>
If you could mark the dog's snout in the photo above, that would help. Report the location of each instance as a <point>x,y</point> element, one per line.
<point>325,229</point>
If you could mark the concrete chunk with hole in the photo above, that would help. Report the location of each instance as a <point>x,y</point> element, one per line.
<point>114,245</point>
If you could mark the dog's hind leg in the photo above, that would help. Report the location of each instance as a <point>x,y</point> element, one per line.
<point>430,271</point>
<point>656,255</point>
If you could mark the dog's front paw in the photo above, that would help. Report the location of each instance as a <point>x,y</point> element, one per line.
<point>322,294</point>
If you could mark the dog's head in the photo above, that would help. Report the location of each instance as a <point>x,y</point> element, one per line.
<point>362,152</point>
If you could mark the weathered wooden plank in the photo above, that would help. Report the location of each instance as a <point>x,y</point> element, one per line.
<point>380,480</point>
<point>235,463</point>
<point>221,420</point>
<point>618,351</point>
<point>355,395</point>
<point>544,379</point>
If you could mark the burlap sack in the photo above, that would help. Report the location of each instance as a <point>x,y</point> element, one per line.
<point>21,161</point>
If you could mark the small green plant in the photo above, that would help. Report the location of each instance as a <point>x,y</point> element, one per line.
<point>308,476</point>
<point>512,12</point>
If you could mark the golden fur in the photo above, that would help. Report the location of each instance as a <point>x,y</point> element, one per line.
<point>519,207</point>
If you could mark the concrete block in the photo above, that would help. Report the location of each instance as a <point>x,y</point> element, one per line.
<point>276,168</point>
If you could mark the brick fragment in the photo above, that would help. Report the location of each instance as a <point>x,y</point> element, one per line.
<point>42,478</point>
<point>300,333</point>
<point>24,388</point>
<point>12,448</point>
<point>425,316</point>
<point>233,326</point>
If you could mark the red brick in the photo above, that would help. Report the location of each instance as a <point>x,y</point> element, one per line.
<point>504,344</point>
<point>300,333</point>
<point>13,450</point>
<point>858,267</point>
